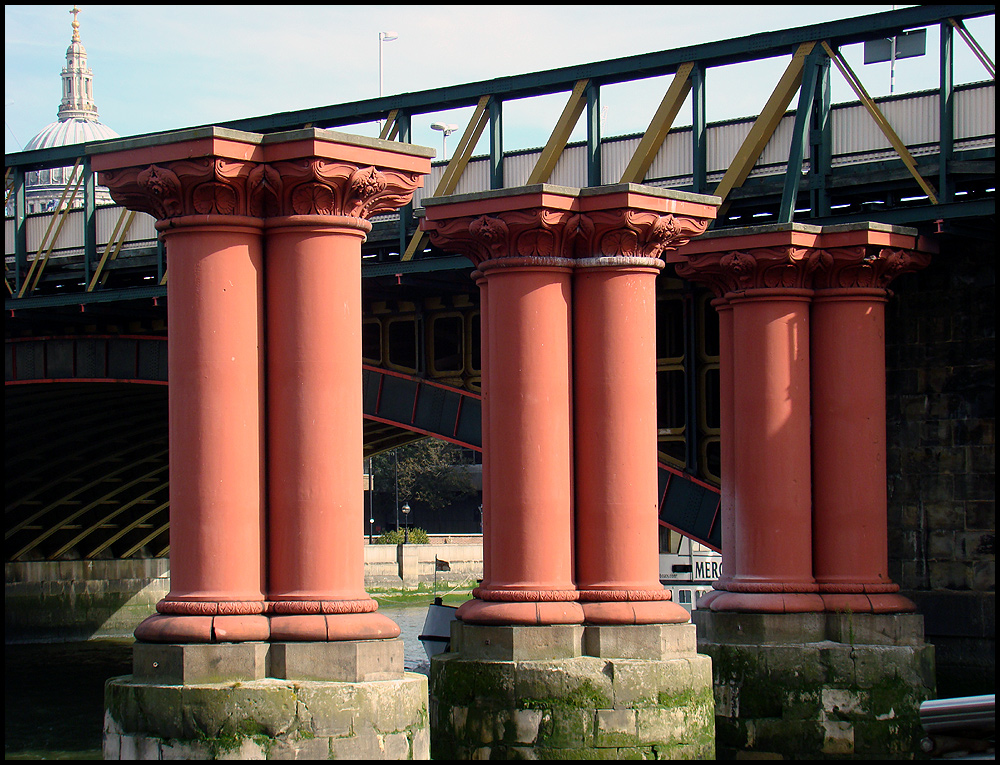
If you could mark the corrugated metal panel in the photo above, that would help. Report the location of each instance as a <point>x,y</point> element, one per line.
<point>976,113</point>
<point>142,231</point>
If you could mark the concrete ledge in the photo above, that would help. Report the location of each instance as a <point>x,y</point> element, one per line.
<point>351,661</point>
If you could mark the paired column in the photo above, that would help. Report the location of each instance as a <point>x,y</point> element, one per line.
<point>850,545</point>
<point>808,513</point>
<point>520,243</point>
<point>324,193</point>
<point>569,396</point>
<point>622,234</point>
<point>228,202</point>
<point>216,369</point>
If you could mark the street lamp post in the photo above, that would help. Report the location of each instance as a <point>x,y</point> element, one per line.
<point>446,130</point>
<point>383,37</point>
<point>406,523</point>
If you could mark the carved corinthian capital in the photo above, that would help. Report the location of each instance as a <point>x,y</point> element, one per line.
<point>316,186</point>
<point>784,266</point>
<point>868,266</point>
<point>626,233</point>
<point>538,235</point>
<point>206,186</point>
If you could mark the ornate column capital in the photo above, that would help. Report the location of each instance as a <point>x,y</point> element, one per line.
<point>865,255</point>
<point>626,236</point>
<point>322,186</point>
<point>738,270</point>
<point>866,266</point>
<point>171,189</point>
<point>538,236</point>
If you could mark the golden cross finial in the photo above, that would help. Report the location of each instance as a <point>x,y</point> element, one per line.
<point>76,24</point>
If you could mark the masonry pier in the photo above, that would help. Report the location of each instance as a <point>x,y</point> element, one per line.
<point>814,651</point>
<point>267,644</point>
<point>571,648</point>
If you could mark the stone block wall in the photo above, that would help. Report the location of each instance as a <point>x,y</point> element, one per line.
<point>941,363</point>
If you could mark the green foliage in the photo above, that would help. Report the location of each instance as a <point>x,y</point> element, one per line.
<point>394,537</point>
<point>429,472</point>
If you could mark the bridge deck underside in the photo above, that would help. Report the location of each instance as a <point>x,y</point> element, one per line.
<point>87,470</point>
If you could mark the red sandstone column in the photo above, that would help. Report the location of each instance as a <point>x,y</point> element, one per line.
<point>325,185</point>
<point>769,276</point>
<point>850,547</point>
<point>519,241</point>
<point>198,189</point>
<point>622,234</point>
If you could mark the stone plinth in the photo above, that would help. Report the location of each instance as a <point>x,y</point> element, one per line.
<point>567,692</point>
<point>814,685</point>
<point>267,719</point>
<point>322,700</point>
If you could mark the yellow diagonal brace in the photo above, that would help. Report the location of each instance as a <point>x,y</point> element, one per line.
<point>391,128</point>
<point>49,239</point>
<point>560,135</point>
<point>659,126</point>
<point>881,121</point>
<point>765,124</point>
<point>456,166</point>
<point>146,540</point>
<point>115,242</point>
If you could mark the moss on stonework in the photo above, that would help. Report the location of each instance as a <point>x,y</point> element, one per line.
<point>585,696</point>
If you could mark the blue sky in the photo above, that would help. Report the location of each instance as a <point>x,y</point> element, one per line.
<point>159,67</point>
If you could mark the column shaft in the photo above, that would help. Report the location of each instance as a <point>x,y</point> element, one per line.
<point>216,428</point>
<point>315,431</point>
<point>617,555</point>
<point>850,548</point>
<point>530,432</point>
<point>773,505</point>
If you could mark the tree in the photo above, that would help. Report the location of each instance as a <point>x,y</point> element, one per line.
<point>428,471</point>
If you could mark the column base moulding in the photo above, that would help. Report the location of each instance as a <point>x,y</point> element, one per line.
<point>768,602</point>
<point>332,627</point>
<point>634,612</point>
<point>522,612</point>
<point>179,628</point>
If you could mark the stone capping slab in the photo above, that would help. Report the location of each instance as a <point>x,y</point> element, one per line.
<point>650,191</point>
<point>536,190</point>
<point>584,199</point>
<point>350,139</point>
<point>482,642</point>
<point>788,629</point>
<point>195,663</point>
<point>640,641</point>
<point>178,136</point>
<point>351,661</point>
<point>653,642</point>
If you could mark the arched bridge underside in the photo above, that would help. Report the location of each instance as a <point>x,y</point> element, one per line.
<point>85,442</point>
